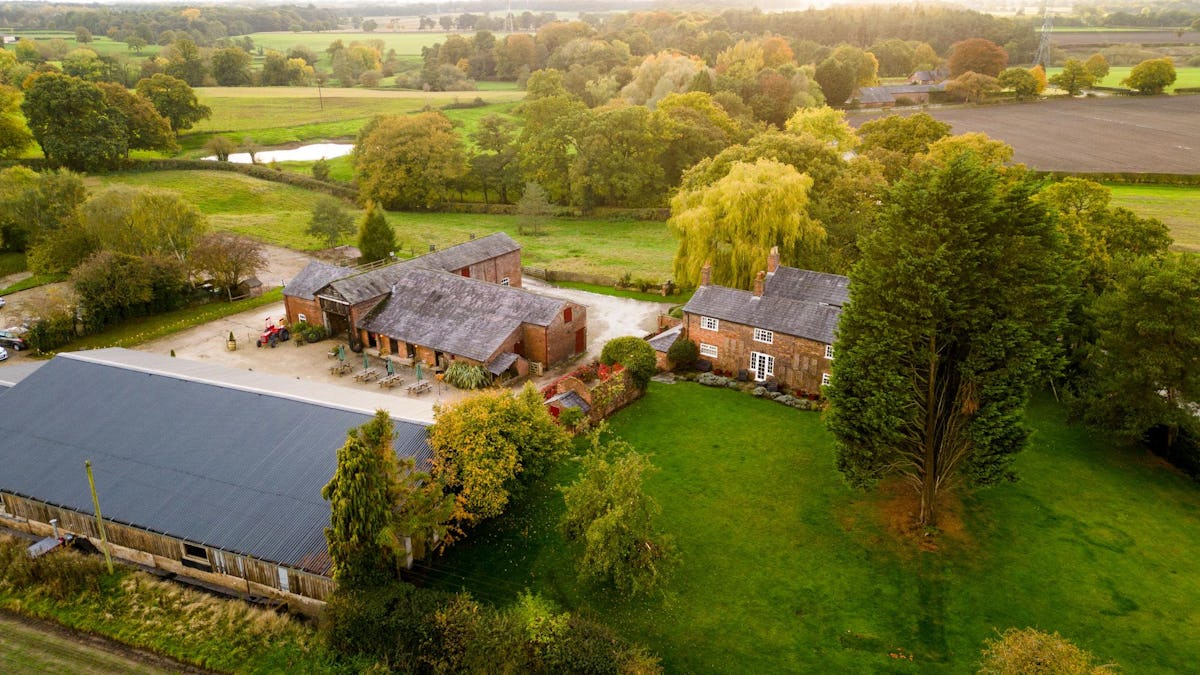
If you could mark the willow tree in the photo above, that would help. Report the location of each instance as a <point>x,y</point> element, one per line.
<point>954,312</point>
<point>734,222</point>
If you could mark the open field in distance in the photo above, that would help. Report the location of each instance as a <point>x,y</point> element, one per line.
<point>1152,134</point>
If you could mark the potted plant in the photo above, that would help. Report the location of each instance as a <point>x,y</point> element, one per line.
<point>231,343</point>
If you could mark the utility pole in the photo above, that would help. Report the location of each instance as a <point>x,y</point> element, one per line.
<point>87,464</point>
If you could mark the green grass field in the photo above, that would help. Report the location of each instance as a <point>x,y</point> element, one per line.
<point>1185,76</point>
<point>278,214</point>
<point>405,44</point>
<point>786,569</point>
<point>282,115</point>
<point>1175,205</point>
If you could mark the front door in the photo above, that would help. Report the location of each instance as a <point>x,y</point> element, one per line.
<point>762,365</point>
<point>580,340</point>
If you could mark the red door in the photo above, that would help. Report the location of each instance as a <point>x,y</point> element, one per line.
<point>580,340</point>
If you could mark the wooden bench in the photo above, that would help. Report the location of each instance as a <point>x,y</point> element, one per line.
<point>340,368</point>
<point>367,375</point>
<point>419,387</point>
<point>391,381</point>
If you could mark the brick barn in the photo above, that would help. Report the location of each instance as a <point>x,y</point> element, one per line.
<point>202,471</point>
<point>783,330</point>
<point>462,303</point>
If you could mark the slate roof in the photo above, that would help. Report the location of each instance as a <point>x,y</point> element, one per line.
<point>569,399</point>
<point>315,276</point>
<point>794,302</point>
<point>501,363</point>
<point>797,284</point>
<point>355,288</point>
<point>225,466</point>
<point>874,96</point>
<point>663,341</point>
<point>456,315</point>
<point>914,88</point>
<point>468,253</point>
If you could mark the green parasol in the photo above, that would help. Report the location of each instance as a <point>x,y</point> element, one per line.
<point>418,371</point>
<point>366,361</point>
<point>391,370</point>
<point>341,353</point>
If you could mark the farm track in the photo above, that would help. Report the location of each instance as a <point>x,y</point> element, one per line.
<point>1151,134</point>
<point>33,646</point>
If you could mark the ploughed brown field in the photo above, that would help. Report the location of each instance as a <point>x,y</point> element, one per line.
<point>1150,134</point>
<point>1066,38</point>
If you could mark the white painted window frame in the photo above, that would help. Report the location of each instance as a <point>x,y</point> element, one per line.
<point>765,336</point>
<point>709,323</point>
<point>708,350</point>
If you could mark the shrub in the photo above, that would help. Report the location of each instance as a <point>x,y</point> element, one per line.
<point>683,352</point>
<point>643,284</point>
<point>1031,651</point>
<point>635,354</point>
<point>571,418</point>
<point>466,376</point>
<point>320,169</point>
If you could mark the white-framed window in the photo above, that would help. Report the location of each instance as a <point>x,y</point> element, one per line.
<point>283,579</point>
<point>829,351</point>
<point>505,281</point>
<point>709,323</point>
<point>761,335</point>
<point>708,350</point>
<point>302,318</point>
<point>762,365</point>
<point>824,379</point>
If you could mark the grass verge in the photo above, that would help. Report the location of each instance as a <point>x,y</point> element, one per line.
<point>680,299</point>
<point>33,282</point>
<point>785,569</point>
<point>142,611</point>
<point>144,329</point>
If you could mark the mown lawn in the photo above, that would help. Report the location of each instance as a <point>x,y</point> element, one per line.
<point>785,569</point>
<point>1175,205</point>
<point>278,214</point>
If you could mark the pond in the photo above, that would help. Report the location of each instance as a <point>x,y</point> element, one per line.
<point>304,153</point>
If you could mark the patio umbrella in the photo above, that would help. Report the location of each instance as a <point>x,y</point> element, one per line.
<point>366,361</point>
<point>391,370</point>
<point>341,353</point>
<point>418,371</point>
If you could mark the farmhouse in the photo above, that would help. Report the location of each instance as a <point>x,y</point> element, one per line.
<point>461,303</point>
<point>201,471</point>
<point>782,330</point>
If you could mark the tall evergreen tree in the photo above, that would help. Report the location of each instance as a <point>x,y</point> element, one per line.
<point>359,496</point>
<point>954,312</point>
<point>376,239</point>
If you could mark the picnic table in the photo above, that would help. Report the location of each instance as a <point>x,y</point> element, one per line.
<point>340,368</point>
<point>367,375</point>
<point>391,381</point>
<point>419,387</point>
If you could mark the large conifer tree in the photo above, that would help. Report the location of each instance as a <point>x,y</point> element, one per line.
<point>953,316</point>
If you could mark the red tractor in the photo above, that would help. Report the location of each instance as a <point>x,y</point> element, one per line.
<point>273,335</point>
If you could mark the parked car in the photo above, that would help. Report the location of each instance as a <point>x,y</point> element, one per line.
<point>11,339</point>
<point>3,354</point>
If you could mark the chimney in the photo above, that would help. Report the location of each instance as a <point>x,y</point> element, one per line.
<point>773,260</point>
<point>706,274</point>
<point>759,280</point>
